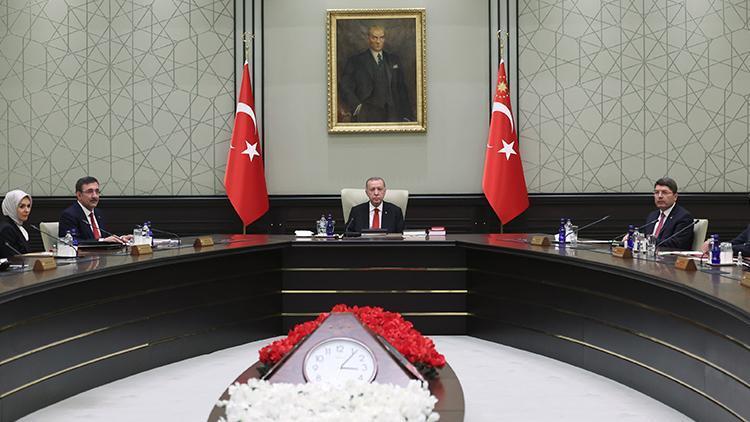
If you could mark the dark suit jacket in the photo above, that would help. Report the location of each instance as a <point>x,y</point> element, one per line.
<point>677,220</point>
<point>391,220</point>
<point>10,233</point>
<point>74,218</point>
<point>358,83</point>
<point>741,243</point>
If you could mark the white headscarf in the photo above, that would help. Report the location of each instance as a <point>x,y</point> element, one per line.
<point>10,208</point>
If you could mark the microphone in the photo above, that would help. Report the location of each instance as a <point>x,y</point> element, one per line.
<point>695,221</point>
<point>55,238</point>
<point>179,239</point>
<point>347,233</point>
<point>107,233</point>
<point>637,228</point>
<point>587,226</point>
<point>17,252</point>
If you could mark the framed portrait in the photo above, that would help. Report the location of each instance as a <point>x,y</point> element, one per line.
<point>376,70</point>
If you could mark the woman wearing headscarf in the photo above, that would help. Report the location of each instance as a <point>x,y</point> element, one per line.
<point>13,237</point>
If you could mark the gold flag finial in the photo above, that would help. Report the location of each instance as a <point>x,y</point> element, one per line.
<point>501,36</point>
<point>247,38</point>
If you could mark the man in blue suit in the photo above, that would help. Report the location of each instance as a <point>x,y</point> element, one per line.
<point>83,216</point>
<point>372,83</point>
<point>375,213</point>
<point>669,218</point>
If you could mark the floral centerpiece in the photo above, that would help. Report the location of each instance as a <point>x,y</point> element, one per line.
<point>260,401</point>
<point>401,334</point>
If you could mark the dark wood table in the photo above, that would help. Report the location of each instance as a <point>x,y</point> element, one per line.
<point>680,337</point>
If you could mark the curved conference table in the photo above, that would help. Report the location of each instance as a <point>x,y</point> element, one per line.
<point>680,337</point>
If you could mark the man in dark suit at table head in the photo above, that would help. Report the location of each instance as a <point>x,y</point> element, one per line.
<point>83,216</point>
<point>375,213</point>
<point>669,218</point>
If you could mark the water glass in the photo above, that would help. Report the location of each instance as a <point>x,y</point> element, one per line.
<point>726,253</point>
<point>573,236</point>
<point>651,246</point>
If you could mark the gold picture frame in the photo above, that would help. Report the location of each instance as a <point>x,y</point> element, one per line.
<point>366,46</point>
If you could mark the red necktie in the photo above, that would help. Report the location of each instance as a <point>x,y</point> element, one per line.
<point>94,228</point>
<point>376,219</point>
<point>661,223</point>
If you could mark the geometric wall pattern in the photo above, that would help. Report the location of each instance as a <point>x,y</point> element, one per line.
<point>138,93</point>
<point>615,94</point>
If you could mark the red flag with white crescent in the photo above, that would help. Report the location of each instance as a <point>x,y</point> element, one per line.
<point>503,181</point>
<point>245,180</point>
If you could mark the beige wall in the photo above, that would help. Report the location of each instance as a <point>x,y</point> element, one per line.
<point>140,93</point>
<point>302,158</point>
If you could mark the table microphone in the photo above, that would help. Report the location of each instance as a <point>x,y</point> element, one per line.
<point>179,239</point>
<point>106,232</point>
<point>17,252</point>
<point>23,264</point>
<point>347,233</point>
<point>695,221</point>
<point>637,228</point>
<point>587,226</point>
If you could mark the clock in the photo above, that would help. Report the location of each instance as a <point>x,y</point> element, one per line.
<point>337,360</point>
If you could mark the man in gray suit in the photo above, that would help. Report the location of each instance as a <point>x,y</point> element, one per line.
<point>372,85</point>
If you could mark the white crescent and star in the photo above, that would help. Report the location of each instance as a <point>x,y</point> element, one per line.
<point>496,106</point>
<point>507,149</point>
<point>251,150</point>
<point>502,108</point>
<point>244,108</point>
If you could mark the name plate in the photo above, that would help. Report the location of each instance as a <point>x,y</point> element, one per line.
<point>137,250</point>
<point>622,252</point>
<point>685,263</point>
<point>539,240</point>
<point>44,264</point>
<point>746,280</point>
<point>202,241</point>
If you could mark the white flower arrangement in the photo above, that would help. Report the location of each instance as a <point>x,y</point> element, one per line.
<point>320,402</point>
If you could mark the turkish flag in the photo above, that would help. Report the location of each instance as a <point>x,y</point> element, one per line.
<point>503,182</point>
<point>244,179</point>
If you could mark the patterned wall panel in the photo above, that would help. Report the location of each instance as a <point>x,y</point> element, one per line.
<point>614,94</point>
<point>138,93</point>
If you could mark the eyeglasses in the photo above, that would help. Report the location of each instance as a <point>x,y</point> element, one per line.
<point>91,191</point>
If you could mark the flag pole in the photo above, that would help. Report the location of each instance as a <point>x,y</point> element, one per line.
<point>501,35</point>
<point>247,38</point>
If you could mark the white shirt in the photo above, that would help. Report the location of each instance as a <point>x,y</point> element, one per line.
<point>372,213</point>
<point>666,216</point>
<point>88,212</point>
<point>375,55</point>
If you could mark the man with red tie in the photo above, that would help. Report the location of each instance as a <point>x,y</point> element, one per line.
<point>84,217</point>
<point>375,214</point>
<point>669,221</point>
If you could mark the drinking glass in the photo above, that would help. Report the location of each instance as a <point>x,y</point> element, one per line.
<point>651,246</point>
<point>573,236</point>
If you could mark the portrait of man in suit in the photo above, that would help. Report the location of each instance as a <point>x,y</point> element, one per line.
<point>376,71</point>
<point>372,85</point>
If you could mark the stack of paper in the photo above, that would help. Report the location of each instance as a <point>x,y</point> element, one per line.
<point>415,233</point>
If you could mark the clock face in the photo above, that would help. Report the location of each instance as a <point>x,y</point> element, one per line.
<point>338,360</point>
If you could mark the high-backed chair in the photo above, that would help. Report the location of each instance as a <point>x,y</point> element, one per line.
<point>355,196</point>
<point>51,233</point>
<point>699,233</point>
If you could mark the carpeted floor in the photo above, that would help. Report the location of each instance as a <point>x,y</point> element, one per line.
<point>500,384</point>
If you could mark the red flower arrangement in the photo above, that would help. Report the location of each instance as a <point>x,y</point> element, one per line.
<point>401,334</point>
